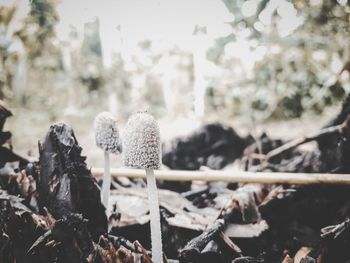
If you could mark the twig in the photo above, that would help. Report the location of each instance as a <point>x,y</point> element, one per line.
<point>232,176</point>
<point>338,129</point>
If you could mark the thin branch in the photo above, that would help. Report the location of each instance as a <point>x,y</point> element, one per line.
<point>233,176</point>
<point>338,129</point>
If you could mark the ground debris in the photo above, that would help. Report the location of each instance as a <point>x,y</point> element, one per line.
<point>50,211</point>
<point>58,216</point>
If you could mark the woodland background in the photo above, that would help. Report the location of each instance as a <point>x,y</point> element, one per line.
<point>248,63</point>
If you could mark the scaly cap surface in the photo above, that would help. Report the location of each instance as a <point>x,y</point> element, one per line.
<point>141,142</point>
<point>106,132</point>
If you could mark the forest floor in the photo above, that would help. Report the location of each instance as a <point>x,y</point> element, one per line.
<point>279,216</point>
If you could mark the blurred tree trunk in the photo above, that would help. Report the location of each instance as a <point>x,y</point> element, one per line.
<point>199,62</point>
<point>113,102</point>
<point>3,77</point>
<point>20,78</point>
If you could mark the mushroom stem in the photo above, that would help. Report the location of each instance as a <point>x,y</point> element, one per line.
<point>106,184</point>
<point>156,234</point>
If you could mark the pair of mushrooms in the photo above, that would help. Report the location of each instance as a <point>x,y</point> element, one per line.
<point>141,149</point>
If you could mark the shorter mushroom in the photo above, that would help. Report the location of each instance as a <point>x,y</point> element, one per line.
<point>107,138</point>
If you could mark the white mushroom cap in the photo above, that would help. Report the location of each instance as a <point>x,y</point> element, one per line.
<point>106,133</point>
<point>141,142</point>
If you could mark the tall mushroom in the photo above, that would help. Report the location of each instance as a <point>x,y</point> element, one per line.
<point>141,149</point>
<point>107,138</point>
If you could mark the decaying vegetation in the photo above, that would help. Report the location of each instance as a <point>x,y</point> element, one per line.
<point>50,210</point>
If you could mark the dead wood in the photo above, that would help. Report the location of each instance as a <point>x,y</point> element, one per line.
<point>65,184</point>
<point>68,241</point>
<point>247,260</point>
<point>5,112</point>
<point>191,252</point>
<point>19,228</point>
<point>307,260</point>
<point>7,155</point>
<point>341,129</point>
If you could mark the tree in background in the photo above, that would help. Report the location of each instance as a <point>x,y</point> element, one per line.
<point>300,53</point>
<point>43,57</point>
<point>38,34</point>
<point>8,56</point>
<point>282,58</point>
<point>90,66</point>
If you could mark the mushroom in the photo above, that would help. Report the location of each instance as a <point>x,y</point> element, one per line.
<point>141,149</point>
<point>107,138</point>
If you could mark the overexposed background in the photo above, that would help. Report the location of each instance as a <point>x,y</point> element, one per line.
<point>277,65</point>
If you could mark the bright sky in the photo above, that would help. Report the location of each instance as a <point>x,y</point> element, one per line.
<point>162,20</point>
<point>166,22</point>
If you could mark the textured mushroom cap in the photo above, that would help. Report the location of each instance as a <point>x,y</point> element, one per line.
<point>106,133</point>
<point>141,142</point>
